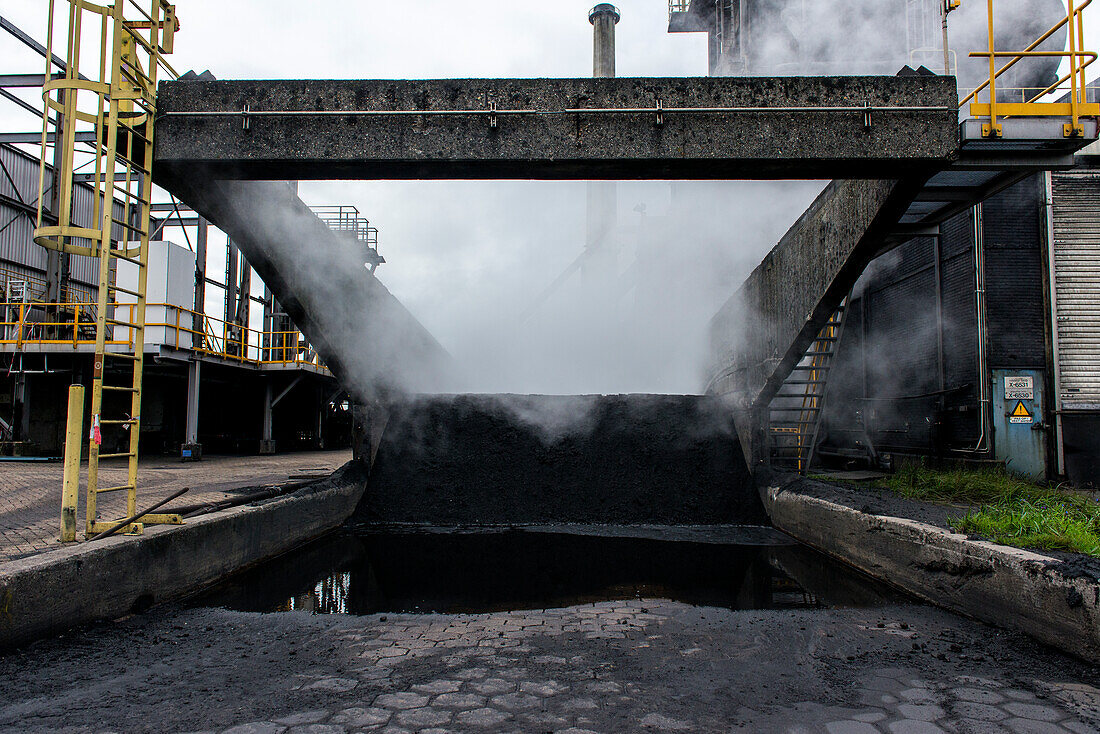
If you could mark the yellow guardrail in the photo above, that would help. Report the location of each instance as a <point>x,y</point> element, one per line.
<point>74,324</point>
<point>55,323</point>
<point>1075,108</point>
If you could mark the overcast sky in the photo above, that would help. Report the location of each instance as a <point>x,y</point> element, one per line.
<point>468,258</point>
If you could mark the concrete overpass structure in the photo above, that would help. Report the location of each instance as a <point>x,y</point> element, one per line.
<point>611,128</point>
<point>214,139</point>
<point>894,144</point>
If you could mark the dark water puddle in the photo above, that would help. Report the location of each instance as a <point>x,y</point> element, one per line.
<point>367,571</point>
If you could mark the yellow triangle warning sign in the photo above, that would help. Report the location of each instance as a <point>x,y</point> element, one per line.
<point>1020,411</point>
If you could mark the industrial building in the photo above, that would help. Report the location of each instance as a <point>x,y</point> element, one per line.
<point>974,341</point>
<point>940,331</point>
<point>225,370</point>
<point>928,350</point>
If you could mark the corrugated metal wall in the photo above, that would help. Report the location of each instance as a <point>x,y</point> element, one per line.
<point>18,252</point>
<point>960,415</point>
<point>16,243</point>
<point>1077,286</point>
<point>1012,223</point>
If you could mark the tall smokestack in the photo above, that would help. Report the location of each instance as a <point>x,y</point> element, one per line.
<point>603,18</point>
<point>598,270</point>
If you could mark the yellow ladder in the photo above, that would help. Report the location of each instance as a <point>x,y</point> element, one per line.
<point>117,101</point>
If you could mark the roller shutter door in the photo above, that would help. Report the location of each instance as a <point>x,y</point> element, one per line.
<point>1076,223</point>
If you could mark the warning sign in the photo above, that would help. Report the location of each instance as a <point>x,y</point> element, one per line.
<point>1020,387</point>
<point>1019,414</point>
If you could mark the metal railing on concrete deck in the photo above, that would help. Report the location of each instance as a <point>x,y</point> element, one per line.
<point>1072,84</point>
<point>41,323</point>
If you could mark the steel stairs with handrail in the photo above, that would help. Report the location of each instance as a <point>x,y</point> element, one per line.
<point>795,413</point>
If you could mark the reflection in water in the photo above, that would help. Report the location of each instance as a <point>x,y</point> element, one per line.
<point>366,572</point>
<point>328,596</point>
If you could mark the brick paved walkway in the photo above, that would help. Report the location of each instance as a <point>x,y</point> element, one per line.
<point>30,492</point>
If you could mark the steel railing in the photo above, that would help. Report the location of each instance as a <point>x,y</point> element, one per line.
<point>23,324</point>
<point>1077,104</point>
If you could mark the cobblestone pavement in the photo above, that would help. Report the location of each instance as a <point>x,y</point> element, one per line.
<point>633,666</point>
<point>30,492</point>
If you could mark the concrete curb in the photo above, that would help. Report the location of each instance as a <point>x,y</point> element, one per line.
<point>51,592</point>
<point>1008,587</point>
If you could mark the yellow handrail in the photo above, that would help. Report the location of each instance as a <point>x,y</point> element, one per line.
<point>283,347</point>
<point>1078,105</point>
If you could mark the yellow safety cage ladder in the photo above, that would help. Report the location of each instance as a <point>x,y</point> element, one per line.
<point>117,101</point>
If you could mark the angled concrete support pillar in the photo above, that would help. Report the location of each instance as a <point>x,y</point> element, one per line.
<point>762,332</point>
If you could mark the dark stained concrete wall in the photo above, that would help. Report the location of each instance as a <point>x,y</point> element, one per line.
<point>780,307</point>
<point>617,459</point>
<point>760,334</point>
<point>733,144</point>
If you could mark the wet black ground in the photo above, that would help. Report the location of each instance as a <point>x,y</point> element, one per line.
<point>713,629</point>
<point>366,570</point>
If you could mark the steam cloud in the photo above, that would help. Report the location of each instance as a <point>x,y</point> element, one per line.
<point>469,259</point>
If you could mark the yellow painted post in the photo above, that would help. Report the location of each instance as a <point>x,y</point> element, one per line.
<point>994,126</point>
<point>70,486</point>
<point>1083,61</point>
<point>1073,79</point>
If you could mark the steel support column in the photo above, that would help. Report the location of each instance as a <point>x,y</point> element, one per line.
<point>192,449</point>
<point>267,442</point>
<point>198,326</point>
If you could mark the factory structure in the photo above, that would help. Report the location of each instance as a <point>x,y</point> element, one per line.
<point>225,369</point>
<point>974,339</point>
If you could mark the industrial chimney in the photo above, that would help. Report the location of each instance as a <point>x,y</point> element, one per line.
<point>599,265</point>
<point>603,18</point>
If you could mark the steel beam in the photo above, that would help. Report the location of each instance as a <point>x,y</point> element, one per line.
<point>22,80</point>
<point>34,45</point>
<point>36,138</point>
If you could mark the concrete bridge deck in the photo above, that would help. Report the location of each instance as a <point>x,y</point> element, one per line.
<point>212,136</point>
<point>706,128</point>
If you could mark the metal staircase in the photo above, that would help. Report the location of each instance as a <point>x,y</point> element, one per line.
<point>794,415</point>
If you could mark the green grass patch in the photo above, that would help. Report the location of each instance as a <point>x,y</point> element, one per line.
<point>1005,508</point>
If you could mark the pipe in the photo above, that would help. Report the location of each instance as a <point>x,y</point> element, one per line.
<point>203,508</point>
<point>567,111</point>
<point>1048,206</point>
<point>945,8</point>
<point>603,18</point>
<point>979,299</point>
<point>601,211</point>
